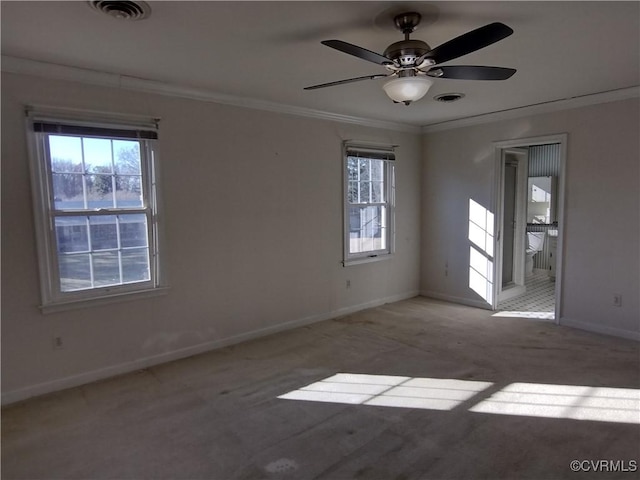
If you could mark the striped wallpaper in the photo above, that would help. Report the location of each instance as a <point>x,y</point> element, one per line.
<point>544,161</point>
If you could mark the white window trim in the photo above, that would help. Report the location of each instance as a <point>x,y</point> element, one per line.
<point>372,255</point>
<point>52,298</point>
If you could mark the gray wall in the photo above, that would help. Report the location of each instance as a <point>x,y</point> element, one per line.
<point>601,225</point>
<point>247,258</point>
<point>253,204</point>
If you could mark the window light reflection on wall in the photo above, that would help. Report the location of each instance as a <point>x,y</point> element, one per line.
<point>481,250</point>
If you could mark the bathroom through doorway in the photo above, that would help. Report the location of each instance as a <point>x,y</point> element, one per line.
<point>529,212</point>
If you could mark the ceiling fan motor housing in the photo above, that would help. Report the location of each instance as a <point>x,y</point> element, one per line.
<point>406,52</point>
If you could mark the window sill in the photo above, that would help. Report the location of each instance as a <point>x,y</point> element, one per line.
<point>103,300</point>
<point>368,259</point>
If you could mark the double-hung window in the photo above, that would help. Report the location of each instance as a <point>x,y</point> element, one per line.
<point>368,203</point>
<point>96,208</point>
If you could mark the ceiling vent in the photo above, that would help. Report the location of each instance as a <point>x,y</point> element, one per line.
<point>449,97</point>
<point>125,10</point>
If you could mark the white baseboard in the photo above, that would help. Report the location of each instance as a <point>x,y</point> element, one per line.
<point>566,322</point>
<point>463,301</point>
<point>603,329</point>
<point>146,362</point>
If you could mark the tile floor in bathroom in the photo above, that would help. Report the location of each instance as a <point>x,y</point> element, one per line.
<point>539,297</point>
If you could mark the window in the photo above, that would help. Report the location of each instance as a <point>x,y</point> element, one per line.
<point>96,199</point>
<point>369,203</point>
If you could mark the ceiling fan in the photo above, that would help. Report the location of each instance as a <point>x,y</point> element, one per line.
<point>412,63</point>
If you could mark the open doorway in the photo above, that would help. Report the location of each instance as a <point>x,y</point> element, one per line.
<point>529,212</point>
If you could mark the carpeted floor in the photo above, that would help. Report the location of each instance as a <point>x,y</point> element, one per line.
<point>418,389</point>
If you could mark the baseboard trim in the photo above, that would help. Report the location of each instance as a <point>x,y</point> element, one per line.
<point>146,362</point>
<point>460,300</point>
<point>601,329</point>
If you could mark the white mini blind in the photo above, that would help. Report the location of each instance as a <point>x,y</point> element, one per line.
<point>375,153</point>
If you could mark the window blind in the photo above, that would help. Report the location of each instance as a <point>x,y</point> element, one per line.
<point>368,152</point>
<point>91,131</point>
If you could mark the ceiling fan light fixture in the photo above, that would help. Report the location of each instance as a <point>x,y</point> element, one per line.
<point>407,89</point>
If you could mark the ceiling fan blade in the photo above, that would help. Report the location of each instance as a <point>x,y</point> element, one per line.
<point>348,80</point>
<point>356,51</point>
<point>463,72</point>
<point>469,42</point>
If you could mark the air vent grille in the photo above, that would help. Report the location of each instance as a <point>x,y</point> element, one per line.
<point>449,97</point>
<point>123,10</point>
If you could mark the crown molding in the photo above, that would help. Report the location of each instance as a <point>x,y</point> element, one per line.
<point>23,66</point>
<point>544,107</point>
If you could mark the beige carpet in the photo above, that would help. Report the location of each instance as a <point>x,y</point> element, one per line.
<point>483,396</point>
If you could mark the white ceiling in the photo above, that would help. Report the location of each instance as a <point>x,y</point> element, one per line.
<point>269,51</point>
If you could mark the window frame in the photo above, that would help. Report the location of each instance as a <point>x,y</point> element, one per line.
<point>53,298</point>
<point>385,154</point>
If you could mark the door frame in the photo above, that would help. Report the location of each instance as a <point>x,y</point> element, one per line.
<point>519,245</point>
<point>499,147</point>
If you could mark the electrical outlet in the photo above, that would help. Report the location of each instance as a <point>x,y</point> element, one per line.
<point>57,342</point>
<point>348,283</point>
<point>617,300</point>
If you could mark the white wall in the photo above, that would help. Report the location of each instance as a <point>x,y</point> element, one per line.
<point>601,228</point>
<point>253,204</point>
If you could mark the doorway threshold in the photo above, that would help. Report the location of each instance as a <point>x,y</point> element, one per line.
<point>548,316</point>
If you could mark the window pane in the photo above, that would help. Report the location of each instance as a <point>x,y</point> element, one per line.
<point>352,168</point>
<point>126,156</point>
<point>106,269</point>
<point>72,234</point>
<point>97,155</point>
<point>65,165</point>
<point>352,194</point>
<point>100,191</point>
<point>364,166</point>
<point>377,170</point>
<point>104,232</point>
<point>366,180</point>
<point>133,230</point>
<point>66,154</point>
<point>135,265</point>
<point>75,272</point>
<point>377,192</point>
<point>128,191</point>
<point>365,194</point>
<point>367,229</point>
<point>67,191</point>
